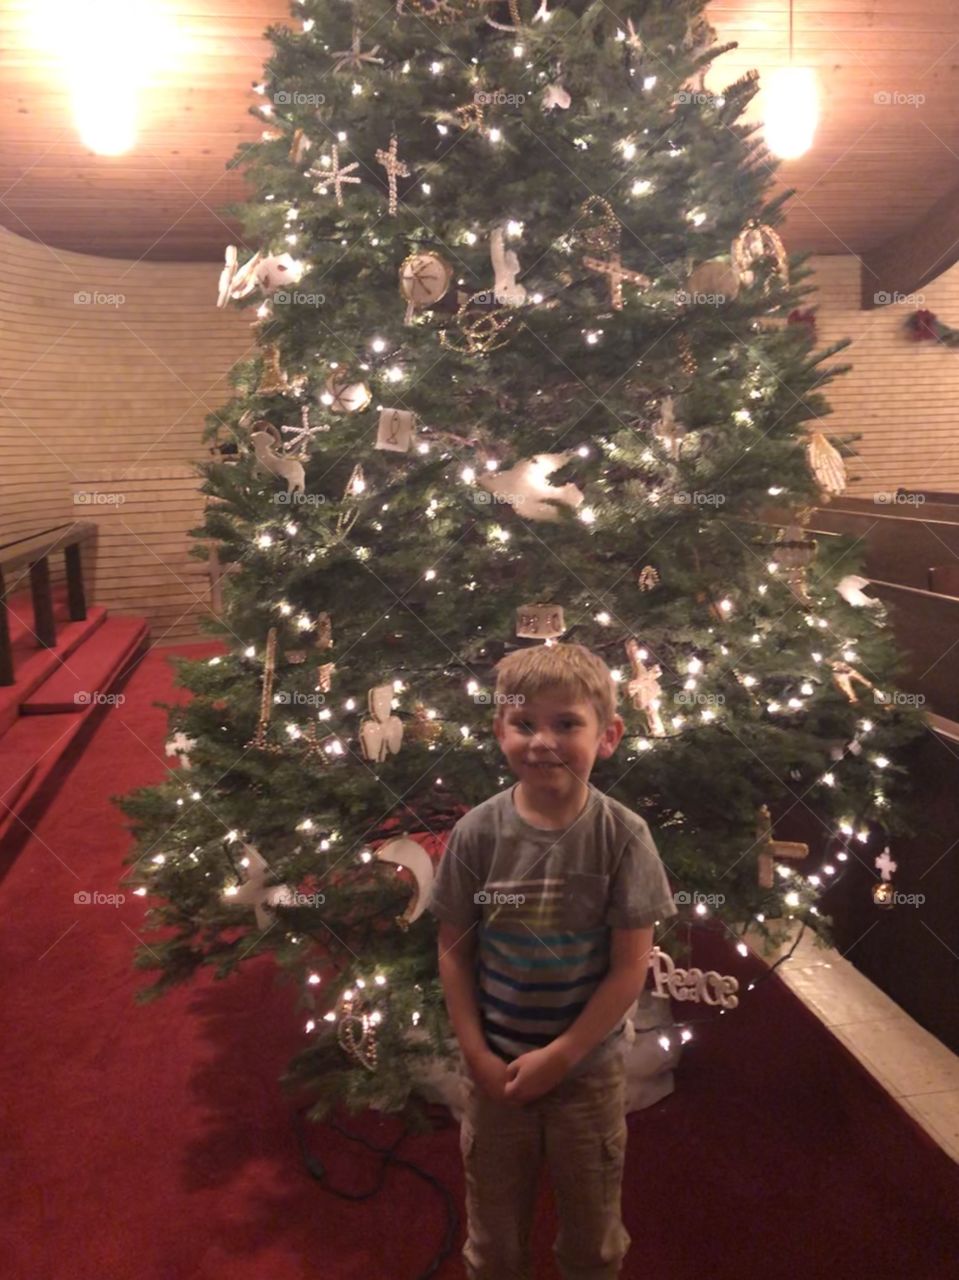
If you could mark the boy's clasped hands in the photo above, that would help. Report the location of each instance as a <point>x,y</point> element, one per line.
<point>524,1079</point>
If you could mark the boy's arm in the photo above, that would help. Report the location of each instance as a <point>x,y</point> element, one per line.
<point>457,947</point>
<point>540,1070</point>
<point>622,985</point>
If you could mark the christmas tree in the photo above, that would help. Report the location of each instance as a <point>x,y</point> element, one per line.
<point>524,375</point>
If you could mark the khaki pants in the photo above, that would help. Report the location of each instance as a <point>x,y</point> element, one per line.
<point>580,1129</point>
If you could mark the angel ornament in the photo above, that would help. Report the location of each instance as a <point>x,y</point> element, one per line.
<point>236,282</point>
<point>844,675</point>
<point>382,733</point>
<point>644,688</point>
<point>506,291</point>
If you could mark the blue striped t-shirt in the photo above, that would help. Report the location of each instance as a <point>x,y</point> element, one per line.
<point>544,903</point>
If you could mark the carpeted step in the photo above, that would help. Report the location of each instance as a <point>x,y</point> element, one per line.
<point>28,754</point>
<point>32,667</point>
<point>90,670</point>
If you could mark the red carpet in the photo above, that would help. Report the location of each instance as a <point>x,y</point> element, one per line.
<point>154,1143</point>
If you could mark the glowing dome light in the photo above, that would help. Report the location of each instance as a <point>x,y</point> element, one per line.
<point>791,111</point>
<point>108,48</point>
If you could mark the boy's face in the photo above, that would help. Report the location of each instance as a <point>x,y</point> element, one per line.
<point>551,742</point>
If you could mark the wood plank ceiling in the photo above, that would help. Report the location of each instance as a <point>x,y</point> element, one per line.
<point>872,172</point>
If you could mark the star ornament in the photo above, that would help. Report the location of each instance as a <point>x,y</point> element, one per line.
<point>335,175</point>
<point>352,59</point>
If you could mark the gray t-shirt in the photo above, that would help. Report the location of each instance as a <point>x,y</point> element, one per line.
<point>544,903</point>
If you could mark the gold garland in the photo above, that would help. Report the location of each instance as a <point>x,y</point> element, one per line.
<point>479,335</point>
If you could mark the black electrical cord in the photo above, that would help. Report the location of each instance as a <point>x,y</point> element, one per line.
<point>317,1170</point>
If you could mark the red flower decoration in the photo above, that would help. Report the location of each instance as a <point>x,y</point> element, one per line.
<point>923,327</point>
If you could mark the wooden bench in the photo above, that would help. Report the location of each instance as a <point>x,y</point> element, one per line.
<point>33,553</point>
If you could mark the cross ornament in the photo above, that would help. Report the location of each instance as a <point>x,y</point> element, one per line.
<point>394,168</point>
<point>613,267</point>
<point>770,848</point>
<point>885,865</point>
<point>334,174</point>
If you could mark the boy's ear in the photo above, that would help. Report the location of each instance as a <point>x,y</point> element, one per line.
<point>611,738</point>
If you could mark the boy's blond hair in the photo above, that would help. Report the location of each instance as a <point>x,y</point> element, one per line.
<point>557,668</point>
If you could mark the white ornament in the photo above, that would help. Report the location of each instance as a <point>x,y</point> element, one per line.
<point>181,746</point>
<point>851,590</point>
<point>381,735</point>
<point>540,621</point>
<point>275,272</point>
<point>255,893</point>
<point>885,865</point>
<point>526,488</point>
<point>395,430</point>
<point>644,689</point>
<point>408,853</point>
<point>826,464</point>
<point>506,291</point>
<point>334,174</point>
<point>288,468</point>
<point>692,984</point>
<point>234,282</point>
<point>555,95</point>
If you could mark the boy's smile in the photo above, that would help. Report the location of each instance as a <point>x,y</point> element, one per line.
<point>551,743</point>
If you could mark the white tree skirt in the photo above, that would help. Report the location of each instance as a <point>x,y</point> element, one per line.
<point>649,1067</point>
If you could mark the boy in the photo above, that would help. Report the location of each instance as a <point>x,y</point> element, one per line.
<point>547,895</point>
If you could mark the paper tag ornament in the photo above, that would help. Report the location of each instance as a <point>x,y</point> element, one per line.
<point>540,621</point>
<point>382,734</point>
<point>395,430</point>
